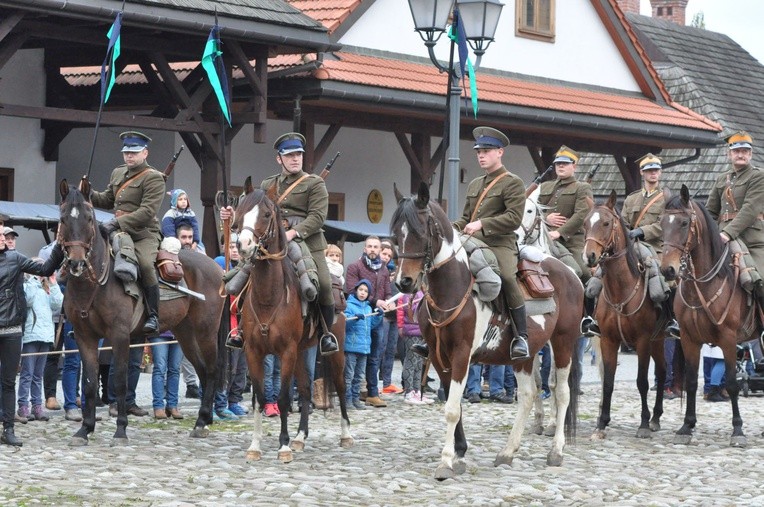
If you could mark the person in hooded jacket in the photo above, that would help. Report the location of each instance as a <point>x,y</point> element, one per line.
<point>359,323</point>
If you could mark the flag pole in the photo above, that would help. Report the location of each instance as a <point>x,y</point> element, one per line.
<point>113,47</point>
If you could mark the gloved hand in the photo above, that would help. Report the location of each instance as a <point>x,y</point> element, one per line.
<point>636,233</point>
<point>110,226</point>
<point>360,316</point>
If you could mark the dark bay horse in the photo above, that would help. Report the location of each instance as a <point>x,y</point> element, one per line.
<point>272,323</point>
<point>454,322</point>
<point>710,305</point>
<point>625,313</point>
<point>98,307</point>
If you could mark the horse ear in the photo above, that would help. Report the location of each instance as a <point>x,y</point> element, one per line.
<point>398,195</point>
<point>685,195</point>
<point>84,187</point>
<point>666,194</point>
<point>423,196</point>
<point>248,187</point>
<point>611,200</point>
<point>63,189</point>
<point>271,192</point>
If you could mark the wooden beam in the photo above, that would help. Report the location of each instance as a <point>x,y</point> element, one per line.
<point>9,23</point>
<point>410,154</point>
<point>254,80</point>
<point>421,146</point>
<point>437,157</point>
<point>326,141</point>
<point>9,46</point>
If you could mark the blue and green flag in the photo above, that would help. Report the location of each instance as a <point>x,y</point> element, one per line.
<point>212,62</point>
<point>458,35</point>
<point>109,75</point>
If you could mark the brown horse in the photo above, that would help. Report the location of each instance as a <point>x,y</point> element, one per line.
<point>454,322</point>
<point>625,313</point>
<point>272,323</point>
<point>98,307</point>
<point>711,306</point>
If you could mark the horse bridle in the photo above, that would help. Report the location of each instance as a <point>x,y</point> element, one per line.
<point>609,247</point>
<point>88,247</point>
<point>430,228</point>
<point>261,250</point>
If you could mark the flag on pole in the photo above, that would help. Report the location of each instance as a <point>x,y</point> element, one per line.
<point>212,62</point>
<point>458,35</point>
<point>112,53</point>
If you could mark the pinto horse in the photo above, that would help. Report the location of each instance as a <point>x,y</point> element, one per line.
<point>272,323</point>
<point>454,322</point>
<point>98,307</point>
<point>625,313</point>
<point>711,306</point>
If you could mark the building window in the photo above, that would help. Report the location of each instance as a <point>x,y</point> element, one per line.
<point>535,19</point>
<point>670,11</point>
<point>336,206</point>
<point>6,184</point>
<point>660,11</point>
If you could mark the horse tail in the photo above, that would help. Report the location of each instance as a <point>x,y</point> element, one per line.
<point>574,383</point>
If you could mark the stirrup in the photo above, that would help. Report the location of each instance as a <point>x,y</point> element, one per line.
<point>234,340</point>
<point>151,325</point>
<point>328,344</point>
<point>513,356</point>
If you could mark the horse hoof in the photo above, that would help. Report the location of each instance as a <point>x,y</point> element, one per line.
<point>554,459</point>
<point>118,442</point>
<point>285,456</point>
<point>297,446</point>
<point>346,442</point>
<point>78,442</point>
<point>682,439</point>
<point>644,433</point>
<point>655,426</point>
<point>550,431</point>
<point>502,459</point>
<point>739,441</point>
<point>597,435</point>
<point>459,467</point>
<point>443,472</point>
<point>254,456</point>
<point>200,432</point>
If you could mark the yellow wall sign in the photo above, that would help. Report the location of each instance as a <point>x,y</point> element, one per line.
<point>374,206</point>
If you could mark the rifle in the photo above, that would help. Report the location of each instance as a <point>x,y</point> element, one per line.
<point>168,170</point>
<point>592,172</point>
<point>325,173</point>
<point>536,182</point>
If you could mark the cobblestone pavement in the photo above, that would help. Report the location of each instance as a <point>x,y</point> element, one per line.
<point>392,462</point>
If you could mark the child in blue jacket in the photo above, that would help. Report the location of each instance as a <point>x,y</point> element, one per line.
<point>360,322</point>
<point>180,212</point>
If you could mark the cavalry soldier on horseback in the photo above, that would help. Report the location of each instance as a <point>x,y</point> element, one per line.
<point>304,203</point>
<point>135,193</point>
<point>494,209</point>
<point>736,201</point>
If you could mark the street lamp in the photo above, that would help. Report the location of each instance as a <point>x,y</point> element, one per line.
<point>479,19</point>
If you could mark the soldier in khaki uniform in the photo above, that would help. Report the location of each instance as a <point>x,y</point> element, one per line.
<point>135,193</point>
<point>737,202</point>
<point>304,208</point>
<point>646,223</point>
<point>494,221</point>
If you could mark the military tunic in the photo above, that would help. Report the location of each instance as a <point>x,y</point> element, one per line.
<point>136,207</point>
<point>568,197</point>
<point>305,208</point>
<point>739,211</point>
<point>651,220</point>
<point>501,213</point>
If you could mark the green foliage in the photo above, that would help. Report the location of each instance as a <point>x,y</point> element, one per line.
<point>699,20</point>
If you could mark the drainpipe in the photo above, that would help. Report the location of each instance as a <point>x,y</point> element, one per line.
<point>683,160</point>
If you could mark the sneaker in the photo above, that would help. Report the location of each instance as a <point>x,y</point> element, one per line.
<point>239,410</point>
<point>38,414</point>
<point>474,398</point>
<point>424,400</point>
<point>358,405</point>
<point>392,389</point>
<point>73,415</point>
<point>669,394</point>
<point>226,415</point>
<point>411,399</point>
<point>271,410</point>
<point>545,395</point>
<point>501,398</point>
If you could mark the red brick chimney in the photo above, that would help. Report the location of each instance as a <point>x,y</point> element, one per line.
<point>629,6</point>
<point>670,10</point>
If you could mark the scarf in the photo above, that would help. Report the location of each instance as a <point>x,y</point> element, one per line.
<point>374,264</point>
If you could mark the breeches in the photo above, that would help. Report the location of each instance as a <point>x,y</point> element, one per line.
<point>146,252</point>
<point>508,265</point>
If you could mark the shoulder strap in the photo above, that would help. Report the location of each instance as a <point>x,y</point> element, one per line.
<point>728,194</point>
<point>122,187</point>
<point>290,188</point>
<point>644,210</point>
<point>483,194</point>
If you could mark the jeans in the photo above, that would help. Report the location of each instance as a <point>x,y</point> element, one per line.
<point>669,347</point>
<point>272,378</point>
<point>546,365</point>
<point>717,372</point>
<point>10,353</point>
<point>355,366</point>
<point>388,350</point>
<point>581,344</point>
<point>510,382</point>
<point>496,379</point>
<point>473,379</point>
<point>237,375</point>
<point>30,380</point>
<point>372,362</point>
<point>133,375</point>
<point>71,372</point>
<point>165,377</point>
<point>189,373</point>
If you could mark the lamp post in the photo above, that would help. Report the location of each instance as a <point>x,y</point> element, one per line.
<point>479,19</point>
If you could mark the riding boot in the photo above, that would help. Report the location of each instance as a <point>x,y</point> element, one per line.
<point>518,349</point>
<point>236,278</point>
<point>233,340</point>
<point>10,438</point>
<point>328,344</point>
<point>152,303</point>
<point>589,326</point>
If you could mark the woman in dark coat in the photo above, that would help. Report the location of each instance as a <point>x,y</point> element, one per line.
<point>13,314</point>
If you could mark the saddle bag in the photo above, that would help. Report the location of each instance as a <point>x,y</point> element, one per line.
<point>169,266</point>
<point>535,279</point>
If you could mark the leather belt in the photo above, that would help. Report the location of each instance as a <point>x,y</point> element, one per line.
<point>726,217</point>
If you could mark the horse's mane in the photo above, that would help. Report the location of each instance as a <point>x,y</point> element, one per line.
<point>717,247</point>
<point>408,213</point>
<point>631,256</point>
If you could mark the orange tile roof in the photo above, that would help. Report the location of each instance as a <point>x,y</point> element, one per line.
<point>330,13</point>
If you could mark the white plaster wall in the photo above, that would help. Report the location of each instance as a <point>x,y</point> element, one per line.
<point>583,51</point>
<point>22,82</point>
